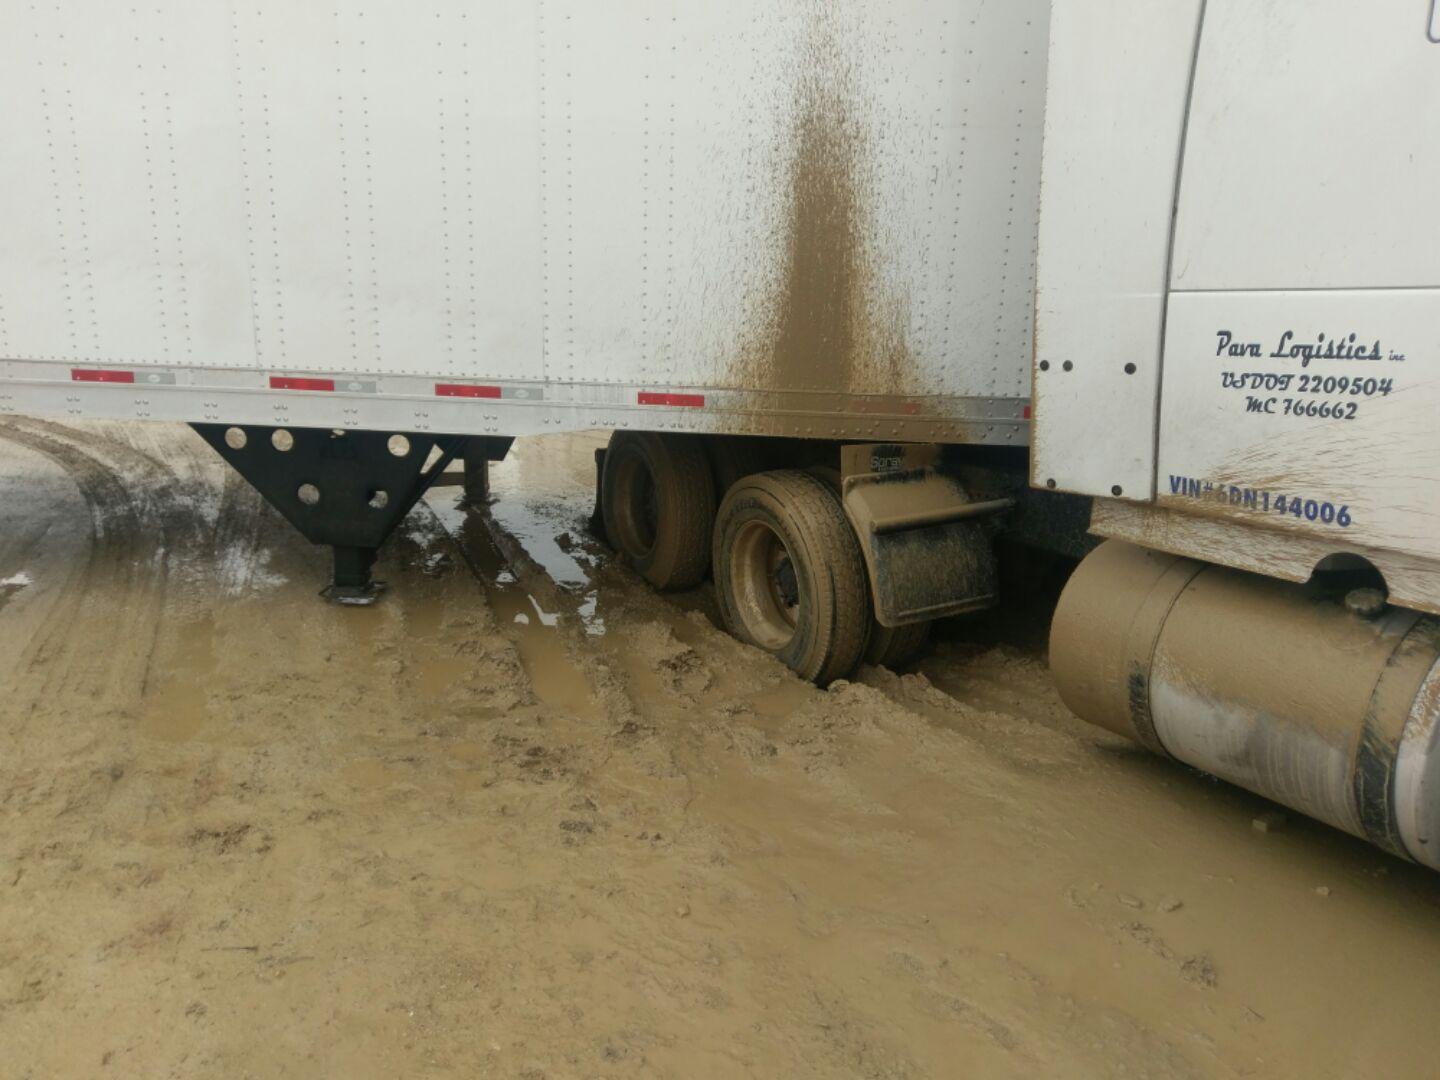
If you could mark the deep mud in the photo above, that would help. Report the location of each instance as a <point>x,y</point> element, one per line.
<point>526,818</point>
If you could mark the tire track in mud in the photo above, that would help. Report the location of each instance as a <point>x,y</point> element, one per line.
<point>598,729</point>
<point>237,533</point>
<point>648,660</point>
<point>673,687</point>
<point>681,679</point>
<point>664,662</point>
<point>531,610</point>
<point>744,736</point>
<point>93,650</point>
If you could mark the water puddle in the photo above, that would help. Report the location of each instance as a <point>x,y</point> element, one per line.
<point>530,616</point>
<point>551,529</point>
<point>556,678</point>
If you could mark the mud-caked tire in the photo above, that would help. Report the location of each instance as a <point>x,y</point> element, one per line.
<point>895,646</point>
<point>789,576</point>
<point>732,458</point>
<point>657,501</point>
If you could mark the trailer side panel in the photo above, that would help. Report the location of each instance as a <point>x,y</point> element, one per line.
<point>805,220</point>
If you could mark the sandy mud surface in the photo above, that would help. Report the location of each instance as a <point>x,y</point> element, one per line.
<point>525,818</point>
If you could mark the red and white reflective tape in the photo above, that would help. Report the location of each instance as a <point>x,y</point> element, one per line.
<point>109,375</point>
<point>679,401</point>
<point>514,392</point>
<point>294,382</point>
<point>470,390</point>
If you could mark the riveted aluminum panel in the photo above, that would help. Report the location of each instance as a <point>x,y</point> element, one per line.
<point>390,160</point>
<point>793,198</point>
<point>823,213</point>
<point>120,196</point>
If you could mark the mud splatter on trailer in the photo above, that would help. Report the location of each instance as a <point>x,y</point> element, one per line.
<point>830,323</point>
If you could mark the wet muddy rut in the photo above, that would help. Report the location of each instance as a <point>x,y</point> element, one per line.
<point>526,818</point>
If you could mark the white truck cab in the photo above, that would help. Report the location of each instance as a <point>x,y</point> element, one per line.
<point>1238,356</point>
<point>1238,298</point>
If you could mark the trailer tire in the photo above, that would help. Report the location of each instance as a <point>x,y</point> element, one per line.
<point>829,476</point>
<point>732,458</point>
<point>894,646</point>
<point>657,500</point>
<point>789,577</point>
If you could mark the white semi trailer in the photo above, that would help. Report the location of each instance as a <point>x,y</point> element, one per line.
<point>805,261</point>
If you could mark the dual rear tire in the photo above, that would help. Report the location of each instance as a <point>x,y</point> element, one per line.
<point>658,504</point>
<point>789,574</point>
<point>789,577</point>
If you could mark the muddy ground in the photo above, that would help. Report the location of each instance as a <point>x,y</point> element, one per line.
<point>526,818</point>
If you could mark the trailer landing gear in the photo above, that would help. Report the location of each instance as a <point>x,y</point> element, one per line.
<point>347,489</point>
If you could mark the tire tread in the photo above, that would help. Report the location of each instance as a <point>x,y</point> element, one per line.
<point>685,499</point>
<point>813,513</point>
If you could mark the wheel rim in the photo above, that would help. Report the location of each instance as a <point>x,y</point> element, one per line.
<point>766,587</point>
<point>637,506</point>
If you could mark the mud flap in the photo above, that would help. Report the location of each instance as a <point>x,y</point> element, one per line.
<point>926,545</point>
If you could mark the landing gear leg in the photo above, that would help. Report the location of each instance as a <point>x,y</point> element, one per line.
<point>477,473</point>
<point>347,489</point>
<point>351,582</point>
<point>597,516</point>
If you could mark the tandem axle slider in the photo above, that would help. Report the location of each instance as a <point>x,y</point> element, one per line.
<point>346,489</point>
